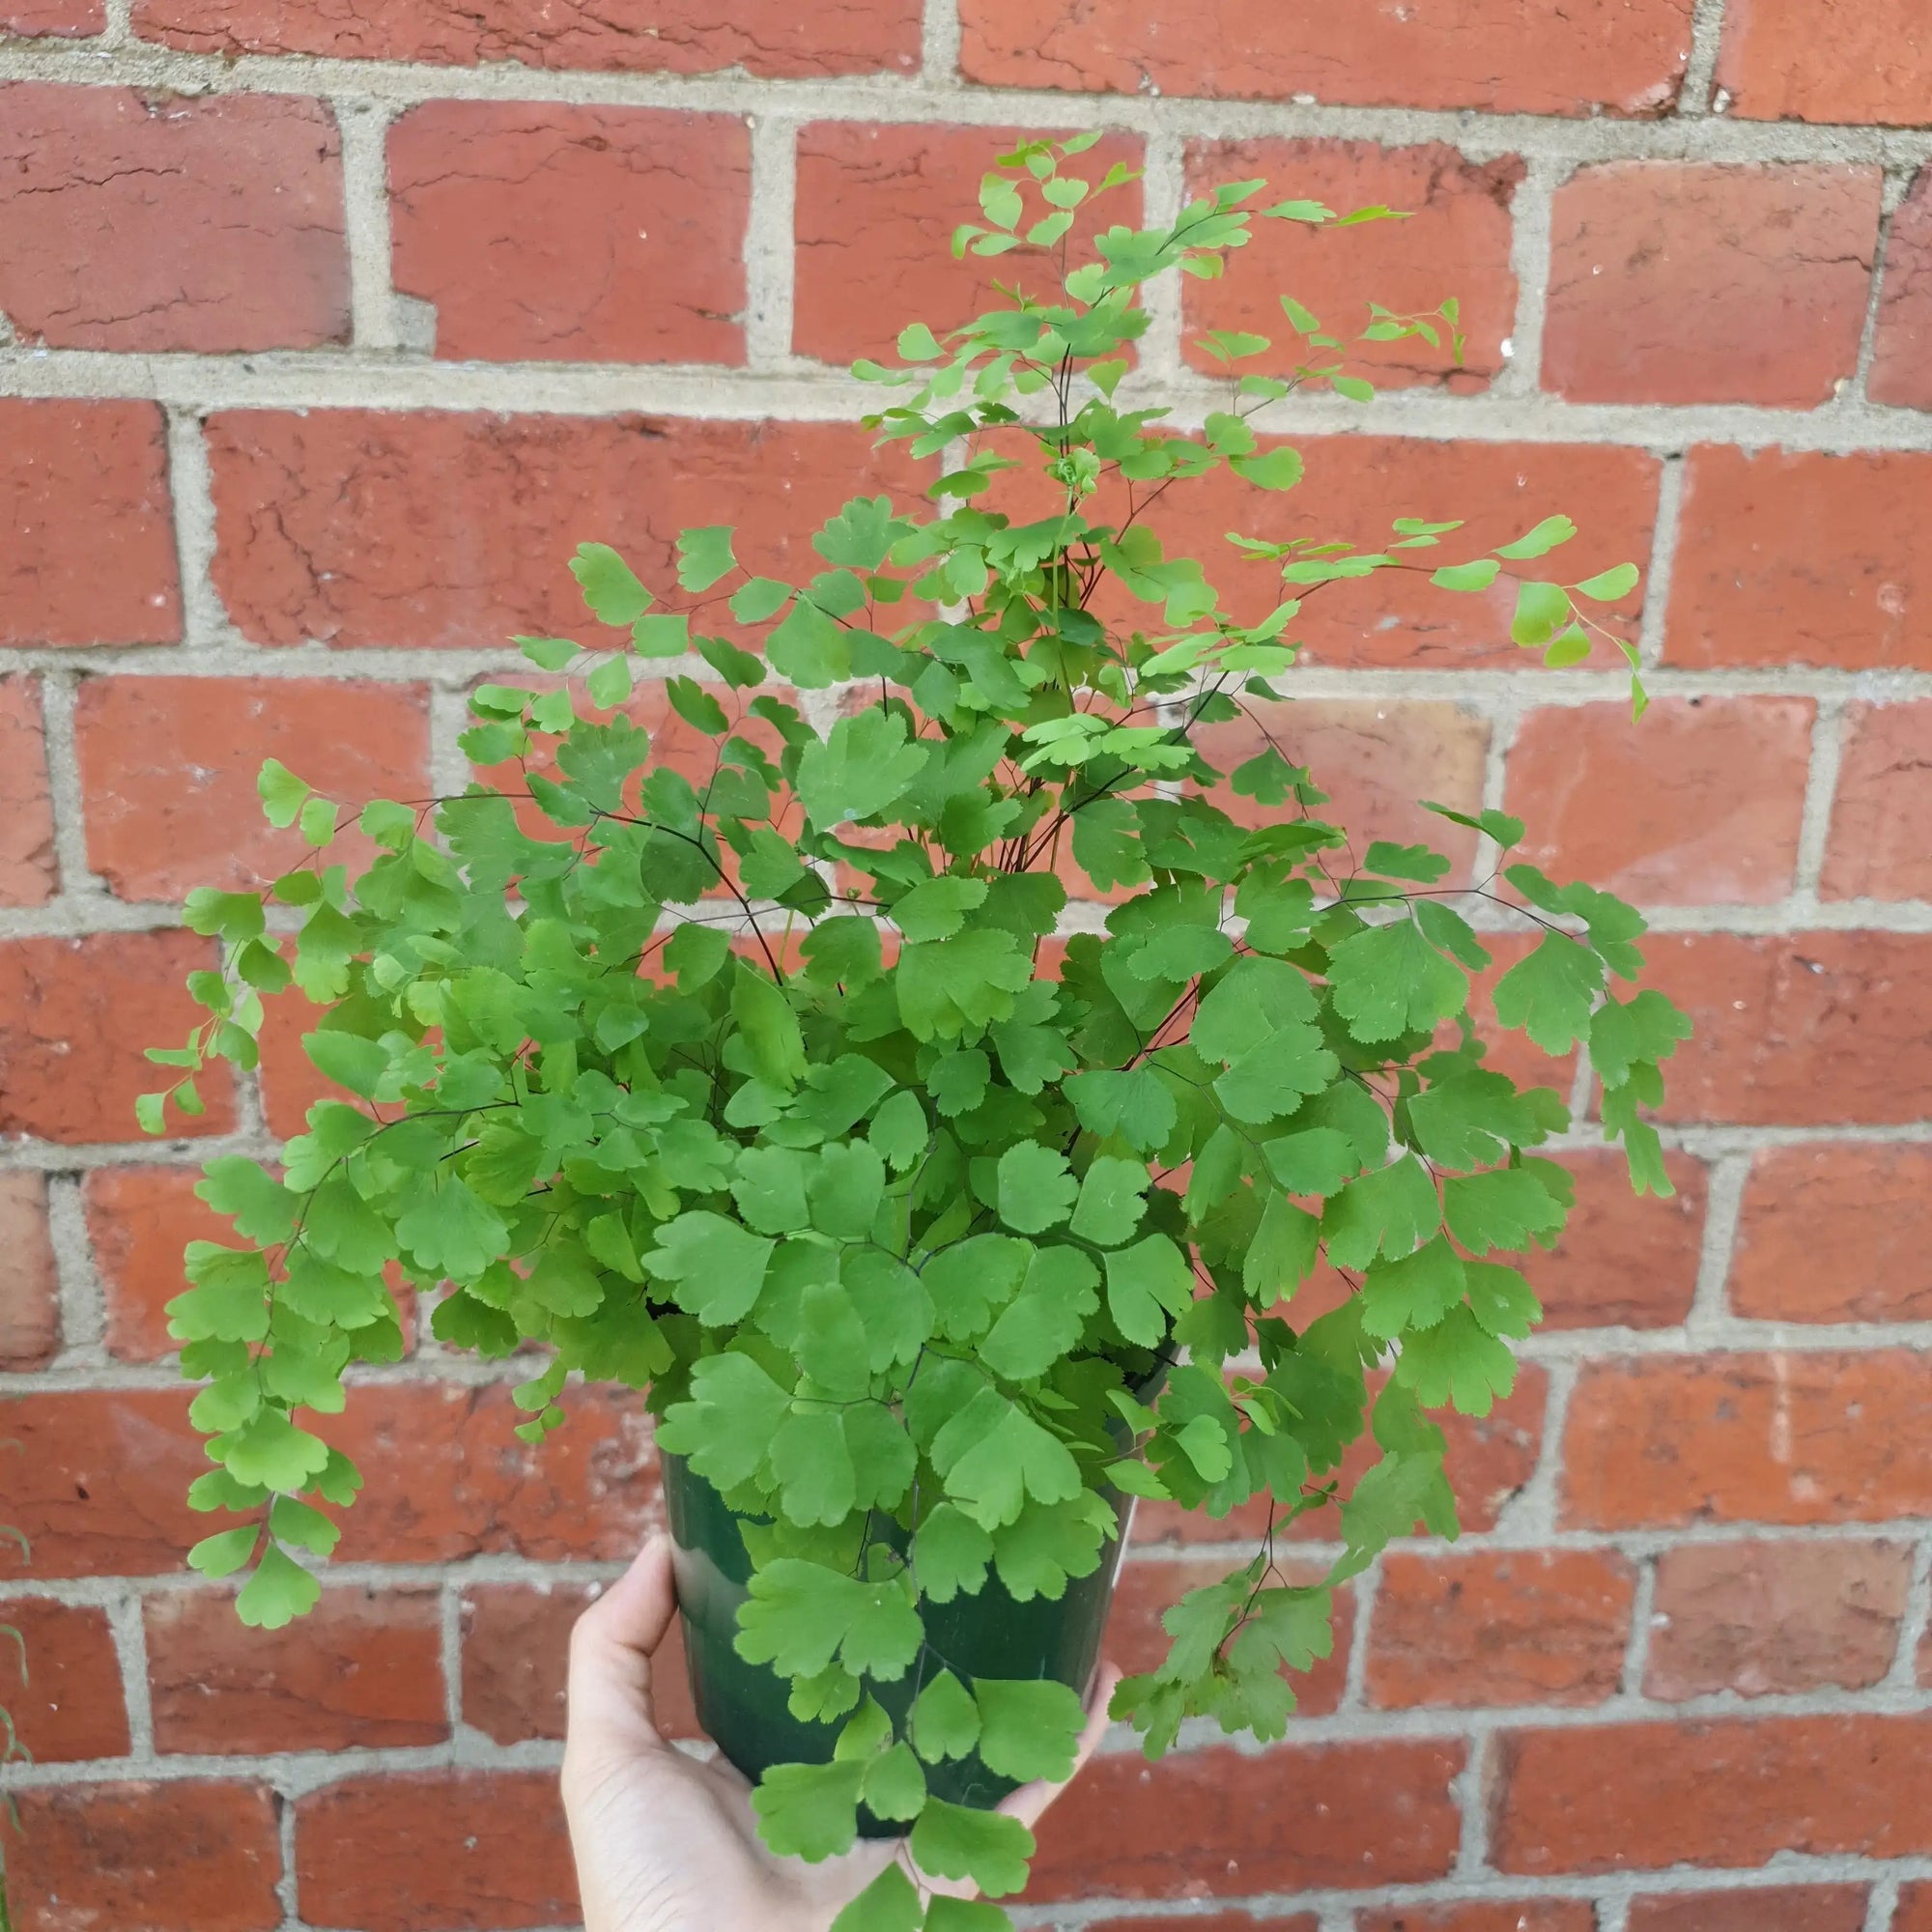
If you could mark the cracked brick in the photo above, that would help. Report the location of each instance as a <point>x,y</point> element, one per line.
<point>138,221</point>
<point>768,38</point>
<point>578,234</point>
<point>28,874</point>
<point>1901,370</point>
<point>1617,56</point>
<point>1674,282</point>
<point>1455,243</point>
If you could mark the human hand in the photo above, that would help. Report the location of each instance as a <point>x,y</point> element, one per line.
<point>666,1842</point>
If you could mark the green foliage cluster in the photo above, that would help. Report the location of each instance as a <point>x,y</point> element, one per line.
<point>779,1091</point>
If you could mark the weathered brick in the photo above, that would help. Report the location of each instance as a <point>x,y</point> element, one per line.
<point>1878,848</point>
<point>1214,1922</point>
<point>553,233</point>
<point>1680,282</point>
<point>324,521</point>
<point>1151,1585</point>
<point>1456,242</point>
<point>434,1850</point>
<point>1794,558</point>
<point>168,768</point>
<point>1835,1233</point>
<point>516,1653</point>
<point>589,1492</point>
<point>90,551</point>
<point>1768,1617</point>
<point>192,1857</point>
<point>764,36</point>
<point>1729,1792</point>
<point>1354,489</point>
<point>1597,56</point>
<point>140,222</point>
<point>66,1706</point>
<point>1625,1260</point>
<point>99,1481</point>
<point>875,204</point>
<point>28,874</point>
<point>1214,1822</point>
<point>1769,1908</point>
<point>1697,803</point>
<point>30,1326</point>
<point>1901,370</point>
<point>1872,62</point>
<point>1529,1915</point>
<point>75,1017</point>
<point>1374,759</point>
<point>62,18</point>
<point>1915,1907</point>
<point>1816,1027</point>
<point>1499,1627</point>
<point>364,1668</point>
<point>139,1219</point>
<point>1787,1438</point>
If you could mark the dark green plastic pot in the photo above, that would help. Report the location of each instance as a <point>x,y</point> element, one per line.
<point>743,1706</point>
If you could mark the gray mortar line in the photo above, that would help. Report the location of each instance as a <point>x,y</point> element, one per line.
<point>1531,1514</point>
<point>1368,1592</point>
<point>1881,1905</point>
<point>116,25</point>
<point>1667,532</point>
<point>1708,1316</point>
<point>83,1319</point>
<point>298,379</point>
<point>770,251</point>
<point>1821,785</point>
<point>127,1621</point>
<point>939,36</point>
<point>365,127</point>
<point>1644,1613</point>
<point>1915,1624</point>
<point>1696,95</point>
<point>83,894</point>
<point>205,625</point>
<point>1531,208</point>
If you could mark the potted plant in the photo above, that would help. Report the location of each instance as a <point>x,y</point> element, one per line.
<point>933,1232</point>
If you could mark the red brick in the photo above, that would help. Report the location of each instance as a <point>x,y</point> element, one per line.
<point>543,232</point>
<point>363,1668</point>
<point>1455,243</point>
<point>434,1850</point>
<point>1499,1627</point>
<point>69,18</point>
<point>1214,1922</point>
<point>1794,1438</point>
<point>68,1708</point>
<point>1148,1586</point>
<point>1901,370</point>
<point>1877,847</point>
<point>1358,486</point>
<point>166,1858</point>
<point>90,553</point>
<point>1771,1908</point>
<point>1915,1907</point>
<point>1678,282</point>
<point>30,1326</point>
<point>875,205</point>
<point>1731,1792</point>
<point>1835,1233</point>
<point>764,36</point>
<point>1765,1618</point>
<point>99,1481</point>
<point>325,519</point>
<point>516,1646</point>
<point>1815,1028</point>
<point>27,870</point>
<point>1490,1459</point>
<point>1698,801</point>
<point>1625,1260</point>
<point>139,1219</point>
<point>1628,59</point>
<point>1873,64</point>
<point>1793,557</point>
<point>168,768</point>
<point>1532,1914</point>
<point>588,1492</point>
<point>1218,1822</point>
<point>75,1017</point>
<point>140,222</point>
<point>1374,758</point>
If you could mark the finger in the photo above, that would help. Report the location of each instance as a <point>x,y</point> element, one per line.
<point>1030,1802</point>
<point>610,1650</point>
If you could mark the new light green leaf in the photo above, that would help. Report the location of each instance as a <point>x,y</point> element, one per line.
<point>1036,1189</point>
<point>863,767</point>
<point>717,1266</point>
<point>987,1847</point>
<point>610,588</point>
<point>1148,1284</point>
<point>1388,980</point>
<point>992,1456</point>
<point>1028,1727</point>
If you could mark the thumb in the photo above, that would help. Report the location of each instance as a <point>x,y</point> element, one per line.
<point>611,1652</point>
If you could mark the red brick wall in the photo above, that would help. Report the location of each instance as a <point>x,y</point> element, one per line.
<point>328,331</point>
